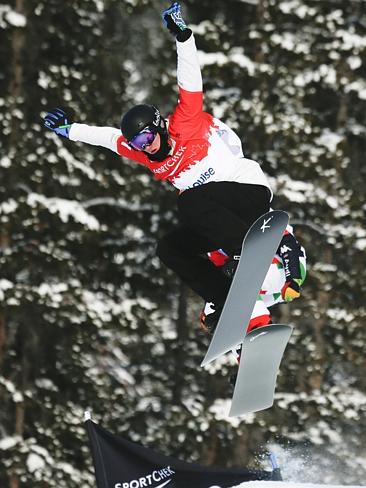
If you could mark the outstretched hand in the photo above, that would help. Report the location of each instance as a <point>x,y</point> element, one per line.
<point>58,121</point>
<point>174,21</point>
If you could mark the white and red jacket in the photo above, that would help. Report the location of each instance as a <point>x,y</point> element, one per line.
<point>204,149</point>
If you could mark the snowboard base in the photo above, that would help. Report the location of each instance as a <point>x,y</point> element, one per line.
<point>260,360</point>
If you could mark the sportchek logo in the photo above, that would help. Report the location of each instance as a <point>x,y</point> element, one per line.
<point>172,161</point>
<point>156,479</point>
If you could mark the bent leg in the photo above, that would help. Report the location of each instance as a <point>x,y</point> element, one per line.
<point>184,251</point>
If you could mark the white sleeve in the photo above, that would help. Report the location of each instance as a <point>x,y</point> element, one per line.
<point>188,67</point>
<point>97,136</point>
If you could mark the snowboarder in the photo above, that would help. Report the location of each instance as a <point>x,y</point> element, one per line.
<point>221,192</point>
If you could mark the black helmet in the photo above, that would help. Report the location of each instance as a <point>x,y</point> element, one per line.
<point>142,116</point>
<point>138,118</point>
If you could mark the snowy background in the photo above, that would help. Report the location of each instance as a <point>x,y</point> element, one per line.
<point>89,318</point>
<point>279,484</point>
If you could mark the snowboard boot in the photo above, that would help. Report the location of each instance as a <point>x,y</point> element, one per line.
<point>209,321</point>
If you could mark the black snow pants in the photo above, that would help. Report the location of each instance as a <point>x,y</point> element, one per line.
<point>212,216</point>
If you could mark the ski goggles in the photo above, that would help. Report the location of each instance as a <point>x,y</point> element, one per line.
<point>143,139</point>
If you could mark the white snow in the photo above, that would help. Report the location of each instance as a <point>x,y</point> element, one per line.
<point>351,41</point>
<point>358,86</point>
<point>354,62</point>
<point>17,396</point>
<point>296,7</point>
<point>65,209</point>
<point>44,80</point>
<point>235,56</point>
<point>101,307</point>
<point>295,190</point>
<point>8,207</point>
<point>5,162</point>
<point>53,290</point>
<point>15,19</point>
<point>330,140</point>
<point>9,16</point>
<point>5,284</point>
<point>46,384</point>
<point>252,2</point>
<point>361,244</point>
<point>35,462</point>
<point>9,442</point>
<point>324,72</point>
<point>73,163</point>
<point>288,41</point>
<point>281,484</point>
<point>220,410</point>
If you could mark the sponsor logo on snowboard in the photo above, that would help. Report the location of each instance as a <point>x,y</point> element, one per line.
<point>256,336</point>
<point>156,479</point>
<point>285,248</point>
<point>265,225</point>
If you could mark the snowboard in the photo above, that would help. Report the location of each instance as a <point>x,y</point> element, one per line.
<point>259,246</point>
<point>260,360</point>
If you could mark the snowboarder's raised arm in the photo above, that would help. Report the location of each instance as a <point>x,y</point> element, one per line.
<point>144,135</point>
<point>188,68</point>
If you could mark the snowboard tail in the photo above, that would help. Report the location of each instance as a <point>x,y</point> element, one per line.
<point>261,356</point>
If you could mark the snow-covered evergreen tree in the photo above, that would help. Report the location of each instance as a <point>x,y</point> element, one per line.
<point>291,79</point>
<point>89,318</point>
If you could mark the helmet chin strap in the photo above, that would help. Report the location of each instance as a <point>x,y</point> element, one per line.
<point>163,151</point>
<point>165,147</point>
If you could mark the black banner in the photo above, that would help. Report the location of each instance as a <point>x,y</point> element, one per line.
<point>120,463</point>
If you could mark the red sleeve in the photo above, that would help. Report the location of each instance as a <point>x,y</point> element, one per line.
<point>188,115</point>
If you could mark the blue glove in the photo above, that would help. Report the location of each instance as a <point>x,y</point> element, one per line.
<point>173,20</point>
<point>57,121</point>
